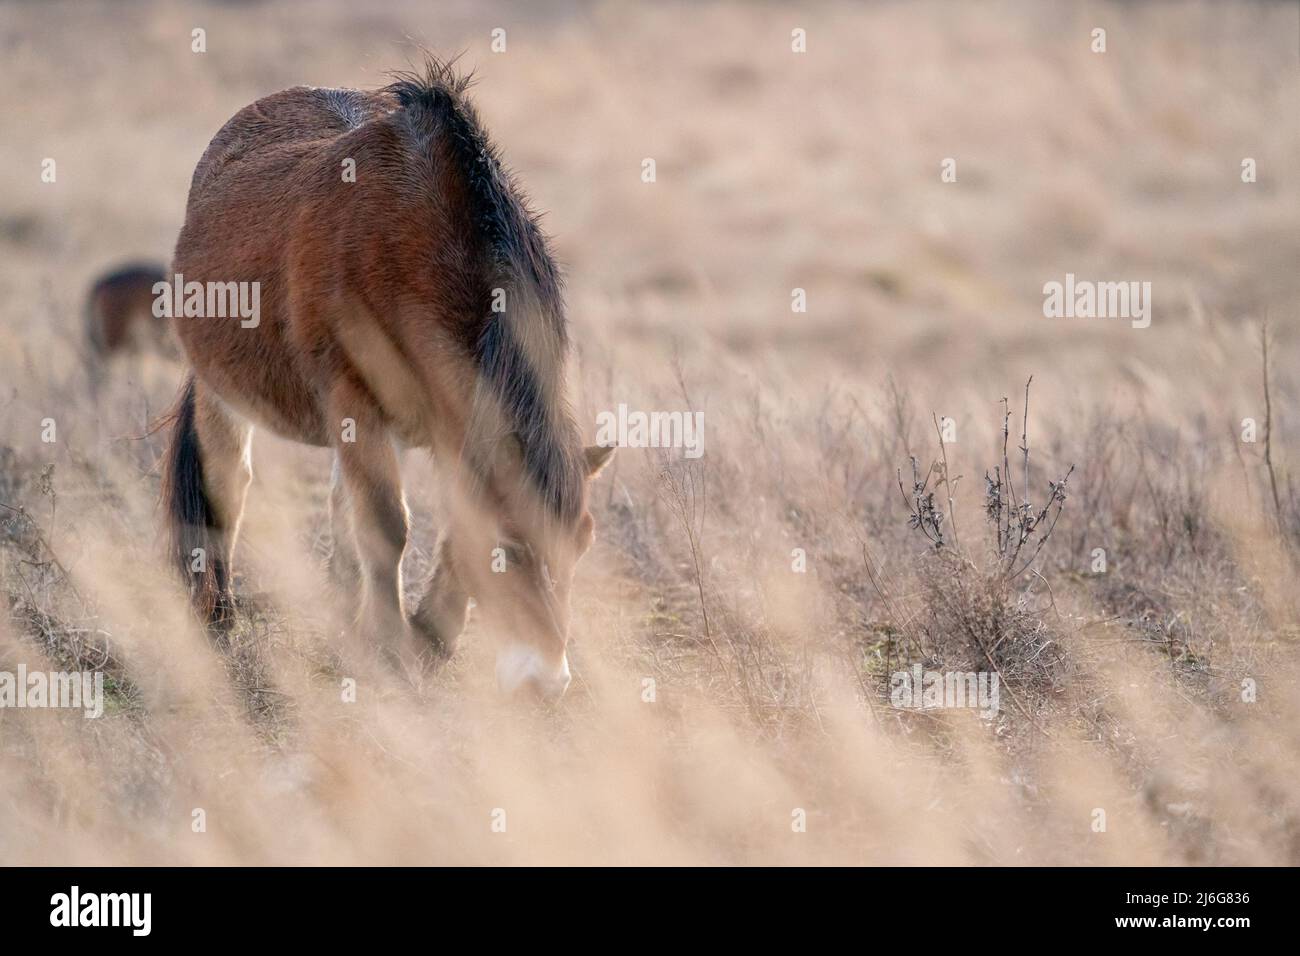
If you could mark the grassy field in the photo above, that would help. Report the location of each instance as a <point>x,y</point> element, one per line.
<point>738,622</point>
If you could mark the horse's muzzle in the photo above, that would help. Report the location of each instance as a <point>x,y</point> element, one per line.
<point>524,670</point>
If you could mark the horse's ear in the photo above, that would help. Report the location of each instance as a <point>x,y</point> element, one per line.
<point>597,457</point>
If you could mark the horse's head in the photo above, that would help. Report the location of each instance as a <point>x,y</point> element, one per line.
<point>520,567</point>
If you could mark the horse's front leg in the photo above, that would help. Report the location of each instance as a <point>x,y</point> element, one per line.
<point>344,564</point>
<point>372,485</point>
<point>444,608</point>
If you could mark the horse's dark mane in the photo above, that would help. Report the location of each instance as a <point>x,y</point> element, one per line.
<point>517,377</point>
<point>437,98</point>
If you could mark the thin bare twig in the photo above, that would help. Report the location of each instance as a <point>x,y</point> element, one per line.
<point>1268,431</point>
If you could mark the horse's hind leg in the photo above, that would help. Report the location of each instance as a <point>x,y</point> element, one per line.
<point>209,469</point>
<point>371,485</point>
<point>225,444</point>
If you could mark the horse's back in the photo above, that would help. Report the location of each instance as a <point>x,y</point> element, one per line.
<point>279,131</point>
<point>266,204</point>
<point>377,226</point>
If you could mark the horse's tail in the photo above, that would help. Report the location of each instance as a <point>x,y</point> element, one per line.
<point>192,523</point>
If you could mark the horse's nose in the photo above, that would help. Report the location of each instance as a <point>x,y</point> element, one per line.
<point>524,669</point>
<point>546,689</point>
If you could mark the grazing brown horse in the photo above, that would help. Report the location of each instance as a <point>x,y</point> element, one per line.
<point>407,299</point>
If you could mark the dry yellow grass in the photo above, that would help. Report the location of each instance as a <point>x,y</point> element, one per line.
<point>774,171</point>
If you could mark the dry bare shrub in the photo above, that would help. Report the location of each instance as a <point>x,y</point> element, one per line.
<point>977,608</point>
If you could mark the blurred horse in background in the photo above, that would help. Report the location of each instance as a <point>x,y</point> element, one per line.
<point>119,317</point>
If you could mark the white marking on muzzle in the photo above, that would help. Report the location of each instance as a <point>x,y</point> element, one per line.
<point>521,664</point>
